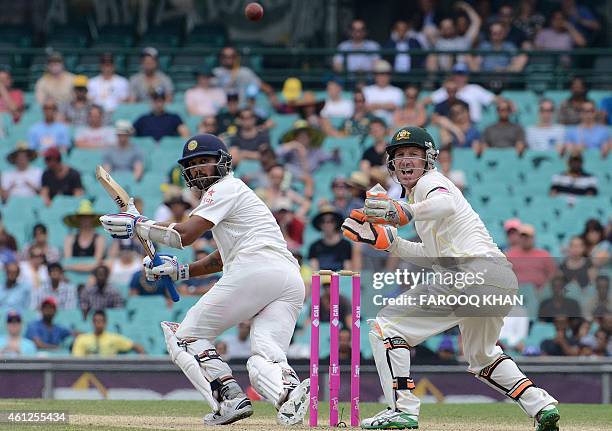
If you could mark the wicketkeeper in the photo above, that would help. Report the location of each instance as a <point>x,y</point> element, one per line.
<point>261,281</point>
<point>453,239</point>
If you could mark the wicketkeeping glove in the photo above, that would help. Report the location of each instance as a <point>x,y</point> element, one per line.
<point>381,209</point>
<point>356,228</point>
<point>170,267</point>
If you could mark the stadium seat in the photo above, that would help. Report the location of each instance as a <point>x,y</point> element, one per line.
<point>539,332</point>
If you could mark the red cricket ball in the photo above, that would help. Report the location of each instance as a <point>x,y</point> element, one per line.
<point>254,11</point>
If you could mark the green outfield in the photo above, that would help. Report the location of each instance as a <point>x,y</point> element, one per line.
<point>186,415</point>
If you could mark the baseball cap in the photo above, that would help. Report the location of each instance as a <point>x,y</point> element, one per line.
<point>158,93</point>
<point>232,95</point>
<point>512,223</point>
<point>461,69</point>
<point>123,127</point>
<point>149,51</point>
<point>49,300</point>
<point>382,66</point>
<point>292,89</point>
<point>80,81</point>
<point>52,152</point>
<point>13,316</point>
<point>55,56</point>
<point>527,229</point>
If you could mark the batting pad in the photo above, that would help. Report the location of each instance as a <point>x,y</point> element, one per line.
<point>267,378</point>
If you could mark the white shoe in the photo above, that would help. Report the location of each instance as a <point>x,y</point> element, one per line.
<point>230,411</point>
<point>293,410</point>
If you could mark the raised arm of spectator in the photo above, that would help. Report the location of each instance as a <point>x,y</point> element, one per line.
<point>475,21</point>
<point>183,130</point>
<point>138,170</point>
<point>577,37</point>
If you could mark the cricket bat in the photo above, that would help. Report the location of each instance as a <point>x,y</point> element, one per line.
<point>121,198</point>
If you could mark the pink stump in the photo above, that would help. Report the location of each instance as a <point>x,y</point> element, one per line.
<point>314,349</point>
<point>355,349</point>
<point>334,366</point>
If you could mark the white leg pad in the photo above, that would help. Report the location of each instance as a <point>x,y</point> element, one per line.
<point>188,364</point>
<point>505,376</point>
<point>267,378</point>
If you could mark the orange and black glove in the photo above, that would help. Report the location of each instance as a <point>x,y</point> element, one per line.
<point>381,209</point>
<point>356,228</point>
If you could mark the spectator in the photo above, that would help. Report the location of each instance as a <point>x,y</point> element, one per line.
<point>198,286</point>
<point>473,94</point>
<point>332,251</point>
<point>204,99</point>
<point>545,135</point>
<point>240,343</point>
<point>85,242</point>
<point>58,288</point>
<point>601,304</point>
<point>247,142</point>
<point>598,248</point>
<point>558,304</point>
<point>382,99</point>
<point>33,271</point>
<point>309,109</point>
<point>101,342</point>
<point>11,99</point>
<point>450,40</point>
<point>530,264</point>
<point>563,344</point>
<point>101,295</point>
<point>14,293</point>
<point>125,157</point>
<point>227,118</point>
<point>150,80</point>
<point>234,78</point>
<point>208,125</point>
<point>59,178</point>
<point>95,135</point>
<point>403,39</point>
<point>605,113</point>
<point>159,123</point>
<point>456,176</point>
<point>140,286</point>
<point>76,110</point>
<point>505,16</point>
<point>375,156</point>
<point>45,334</point>
<point>13,344</point>
<point>56,83</point>
<point>529,21</point>
<point>344,306</point>
<point>291,226</point>
<point>40,239</point>
<point>575,181</point>
<point>359,123</point>
<point>342,198</point>
<point>413,111</point>
<point>576,267</point>
<point>504,133</point>
<point>123,262</point>
<point>335,105</point>
<point>588,134</point>
<point>49,133</point>
<point>506,59</point>
<point>458,131</point>
<point>513,236</point>
<point>25,180</point>
<point>8,244</point>
<point>515,330</point>
<point>344,346</point>
<point>108,89</point>
<point>179,208</point>
<point>278,188</point>
<point>559,35</point>
<point>570,109</point>
<point>357,42</point>
<point>582,18</point>
<point>443,108</point>
<point>301,151</point>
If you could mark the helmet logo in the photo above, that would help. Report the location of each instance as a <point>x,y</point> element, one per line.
<point>402,134</point>
<point>192,145</point>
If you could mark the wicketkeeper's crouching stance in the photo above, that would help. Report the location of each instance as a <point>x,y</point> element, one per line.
<point>261,280</point>
<point>454,238</point>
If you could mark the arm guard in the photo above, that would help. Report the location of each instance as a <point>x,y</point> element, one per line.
<point>160,234</point>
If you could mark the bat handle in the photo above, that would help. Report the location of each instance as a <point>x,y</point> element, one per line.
<point>166,281</point>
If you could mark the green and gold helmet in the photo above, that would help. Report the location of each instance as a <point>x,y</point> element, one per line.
<point>412,136</point>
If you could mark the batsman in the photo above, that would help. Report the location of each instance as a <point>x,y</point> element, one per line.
<point>454,240</point>
<point>261,281</point>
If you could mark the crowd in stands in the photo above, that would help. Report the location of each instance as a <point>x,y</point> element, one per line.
<point>80,113</point>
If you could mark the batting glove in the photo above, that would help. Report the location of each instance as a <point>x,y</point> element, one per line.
<point>170,267</point>
<point>381,209</point>
<point>358,229</point>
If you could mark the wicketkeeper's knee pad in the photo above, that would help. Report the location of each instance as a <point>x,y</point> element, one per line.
<point>506,377</point>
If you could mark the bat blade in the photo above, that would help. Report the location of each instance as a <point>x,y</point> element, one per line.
<point>122,199</point>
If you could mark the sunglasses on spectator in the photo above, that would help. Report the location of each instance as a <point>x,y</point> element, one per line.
<point>328,221</point>
<point>547,109</point>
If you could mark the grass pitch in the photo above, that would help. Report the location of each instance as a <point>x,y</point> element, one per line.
<point>187,415</point>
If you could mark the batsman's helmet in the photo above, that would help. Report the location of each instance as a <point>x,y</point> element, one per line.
<point>411,136</point>
<point>200,146</point>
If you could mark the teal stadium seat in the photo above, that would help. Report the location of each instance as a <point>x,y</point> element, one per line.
<point>539,332</point>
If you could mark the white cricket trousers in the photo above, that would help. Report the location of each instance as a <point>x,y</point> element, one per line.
<point>266,288</point>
